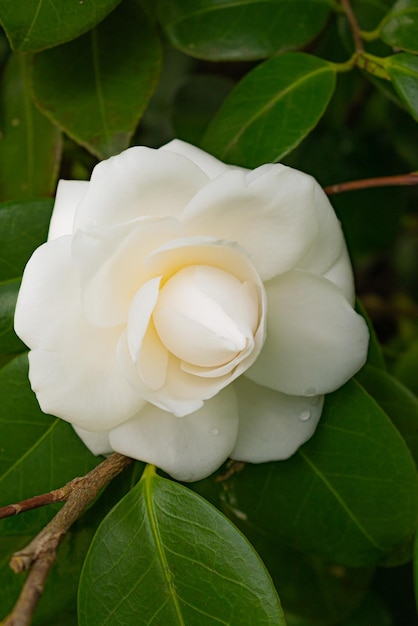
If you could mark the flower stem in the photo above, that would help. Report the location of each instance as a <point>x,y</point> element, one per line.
<point>355,29</point>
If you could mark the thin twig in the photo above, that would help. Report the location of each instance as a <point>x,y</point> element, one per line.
<point>383,181</point>
<point>57,495</point>
<point>39,555</point>
<point>355,29</point>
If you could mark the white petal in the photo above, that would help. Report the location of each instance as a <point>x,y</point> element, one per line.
<point>49,283</point>
<point>67,198</point>
<point>315,340</point>
<point>188,448</point>
<point>77,378</point>
<point>110,262</point>
<point>329,241</point>
<point>193,325</point>
<point>341,274</point>
<point>211,166</point>
<point>145,348</point>
<point>269,212</point>
<point>73,368</point>
<point>272,425</point>
<point>139,182</point>
<point>97,443</point>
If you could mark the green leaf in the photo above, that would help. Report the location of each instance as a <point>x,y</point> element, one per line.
<point>9,342</point>
<point>400,26</point>
<point>38,452</point>
<point>403,71</point>
<point>97,87</point>
<point>23,227</point>
<point>271,110</point>
<point>350,492</point>
<point>406,368</point>
<point>396,400</point>
<point>30,146</point>
<point>375,354</point>
<point>221,30</point>
<point>166,555</point>
<point>34,25</point>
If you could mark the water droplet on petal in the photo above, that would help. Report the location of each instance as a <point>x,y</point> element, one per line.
<point>304,415</point>
<point>215,431</point>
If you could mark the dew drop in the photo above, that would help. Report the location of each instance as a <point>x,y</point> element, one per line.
<point>304,415</point>
<point>215,431</point>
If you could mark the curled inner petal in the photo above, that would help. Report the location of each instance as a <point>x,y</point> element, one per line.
<point>193,325</point>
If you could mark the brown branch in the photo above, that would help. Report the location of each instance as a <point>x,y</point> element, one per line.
<point>39,555</point>
<point>383,181</point>
<point>355,29</point>
<point>57,495</point>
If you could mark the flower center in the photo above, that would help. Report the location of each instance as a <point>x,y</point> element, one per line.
<point>196,316</point>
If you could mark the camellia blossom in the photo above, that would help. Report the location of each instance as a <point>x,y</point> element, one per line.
<point>184,311</point>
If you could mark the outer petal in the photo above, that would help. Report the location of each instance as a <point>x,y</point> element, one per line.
<point>68,195</point>
<point>272,425</point>
<point>207,163</point>
<point>315,340</point>
<point>188,448</point>
<point>269,212</point>
<point>73,368</point>
<point>49,282</point>
<point>139,182</point>
<point>341,274</point>
<point>328,242</point>
<point>97,443</point>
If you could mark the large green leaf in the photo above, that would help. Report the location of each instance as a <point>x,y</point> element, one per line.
<point>406,367</point>
<point>97,87</point>
<point>396,400</point>
<point>38,452</point>
<point>242,29</point>
<point>30,146</point>
<point>9,342</point>
<point>23,227</point>
<point>34,24</point>
<point>164,555</point>
<point>271,110</point>
<point>350,494</point>
<point>400,26</point>
<point>403,71</point>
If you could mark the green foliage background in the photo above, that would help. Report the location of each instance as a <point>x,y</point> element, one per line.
<point>251,81</point>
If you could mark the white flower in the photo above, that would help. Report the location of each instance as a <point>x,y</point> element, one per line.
<point>184,311</point>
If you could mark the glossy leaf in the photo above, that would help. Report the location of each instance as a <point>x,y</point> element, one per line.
<point>220,30</point>
<point>271,110</point>
<point>38,452</point>
<point>34,25</point>
<point>97,87</point>
<point>23,227</point>
<point>166,555</point>
<point>30,146</point>
<point>403,71</point>
<point>9,342</point>
<point>350,492</point>
<point>375,354</point>
<point>400,26</point>
<point>406,368</point>
<point>396,400</point>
